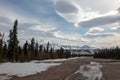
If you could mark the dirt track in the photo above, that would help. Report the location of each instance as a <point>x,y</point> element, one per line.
<point>110,69</point>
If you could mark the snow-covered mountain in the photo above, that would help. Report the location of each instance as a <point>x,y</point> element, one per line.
<point>58,46</point>
<point>86,47</point>
<point>84,50</point>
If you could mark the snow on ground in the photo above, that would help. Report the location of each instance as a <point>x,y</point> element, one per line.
<point>91,71</point>
<point>58,60</point>
<point>23,69</point>
<point>53,60</point>
<point>28,68</point>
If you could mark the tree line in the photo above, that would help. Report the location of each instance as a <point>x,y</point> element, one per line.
<point>11,51</point>
<point>108,53</point>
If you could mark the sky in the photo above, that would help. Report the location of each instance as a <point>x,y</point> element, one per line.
<point>65,22</point>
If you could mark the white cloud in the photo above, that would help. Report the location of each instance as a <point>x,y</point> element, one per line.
<point>110,41</point>
<point>94,35</point>
<point>74,36</point>
<point>95,30</point>
<point>117,5</point>
<point>67,7</point>
<point>44,28</point>
<point>116,26</point>
<point>81,16</point>
<point>69,10</point>
<point>98,5</point>
<point>98,32</point>
<point>108,18</point>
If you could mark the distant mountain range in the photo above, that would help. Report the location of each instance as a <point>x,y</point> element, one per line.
<point>85,49</point>
<point>88,47</point>
<point>78,47</point>
<point>57,46</point>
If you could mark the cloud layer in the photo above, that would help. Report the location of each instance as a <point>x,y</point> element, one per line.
<point>45,21</point>
<point>95,30</point>
<point>72,12</point>
<point>69,10</point>
<point>100,21</point>
<point>93,35</point>
<point>98,32</point>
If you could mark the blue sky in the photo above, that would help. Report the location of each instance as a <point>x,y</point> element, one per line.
<point>68,22</point>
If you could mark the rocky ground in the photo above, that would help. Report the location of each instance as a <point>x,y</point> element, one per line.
<point>66,71</point>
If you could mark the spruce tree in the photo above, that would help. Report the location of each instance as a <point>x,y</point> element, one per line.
<point>48,45</point>
<point>41,48</point>
<point>13,43</point>
<point>29,54</point>
<point>22,55</point>
<point>1,45</point>
<point>10,46</point>
<point>32,47</point>
<point>25,48</point>
<point>32,44</point>
<point>5,51</point>
<point>51,53</point>
<point>36,50</point>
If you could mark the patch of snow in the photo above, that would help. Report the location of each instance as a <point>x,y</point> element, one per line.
<point>23,69</point>
<point>53,60</point>
<point>58,60</point>
<point>91,71</point>
<point>74,58</point>
<point>4,77</point>
<point>28,68</point>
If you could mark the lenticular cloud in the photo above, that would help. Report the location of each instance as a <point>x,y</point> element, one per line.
<point>70,11</point>
<point>99,21</point>
<point>66,7</point>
